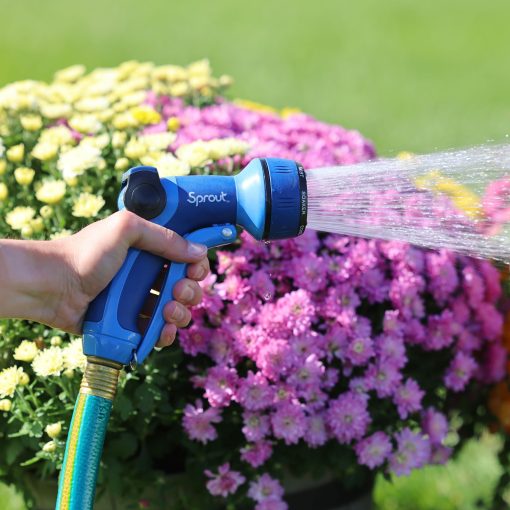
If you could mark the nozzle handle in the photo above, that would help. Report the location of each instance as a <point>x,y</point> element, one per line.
<point>211,237</point>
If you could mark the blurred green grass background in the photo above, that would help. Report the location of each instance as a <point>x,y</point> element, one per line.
<point>414,76</point>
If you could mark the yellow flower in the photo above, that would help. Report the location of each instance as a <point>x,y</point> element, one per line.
<point>48,362</point>
<point>26,351</point>
<point>56,340</point>
<point>100,141</point>
<point>19,217</point>
<point>31,122</point>
<point>27,231</point>
<point>56,111</point>
<point>46,211</point>
<point>179,89</point>
<point>73,356</point>
<point>61,234</point>
<point>50,447</point>
<point>119,139</point>
<point>4,192</point>
<point>135,149</point>
<point>121,164</point>
<point>57,135</point>
<point>53,429</point>
<point>289,112</point>
<point>51,191</point>
<point>405,155</point>
<point>124,121</point>
<point>173,124</point>
<point>253,106</point>
<point>23,379</point>
<point>3,166</point>
<point>24,176</point>
<point>157,141</point>
<point>199,68</point>
<point>87,205</point>
<point>45,151</point>
<point>225,80</point>
<point>92,104</point>
<point>70,74</point>
<point>85,123</point>
<point>195,153</point>
<point>168,165</point>
<point>68,373</point>
<point>9,379</point>
<point>16,153</point>
<point>146,115</point>
<point>75,161</point>
<point>5,405</point>
<point>37,225</point>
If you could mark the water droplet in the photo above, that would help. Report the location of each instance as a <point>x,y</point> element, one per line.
<point>268,296</point>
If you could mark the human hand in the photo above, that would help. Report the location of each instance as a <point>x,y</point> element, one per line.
<point>64,275</point>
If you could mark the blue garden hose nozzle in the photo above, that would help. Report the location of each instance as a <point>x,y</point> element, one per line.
<point>268,199</point>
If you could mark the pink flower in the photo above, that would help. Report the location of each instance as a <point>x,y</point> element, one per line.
<point>254,392</point>
<point>198,422</point>
<point>194,339</point>
<point>348,417</point>
<point>224,482</point>
<point>265,488</point>
<point>373,450</point>
<point>257,453</point>
<point>256,426</point>
<point>435,425</point>
<point>460,371</point>
<point>408,397</point>
<point>289,422</point>
<point>220,385</point>
<point>316,433</point>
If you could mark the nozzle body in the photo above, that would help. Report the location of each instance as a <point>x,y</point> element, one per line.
<point>268,199</point>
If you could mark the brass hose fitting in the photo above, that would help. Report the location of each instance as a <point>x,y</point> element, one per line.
<point>100,378</point>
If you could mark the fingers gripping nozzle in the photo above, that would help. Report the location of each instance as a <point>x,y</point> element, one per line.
<point>268,199</point>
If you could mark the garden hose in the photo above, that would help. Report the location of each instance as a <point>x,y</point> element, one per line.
<point>77,484</point>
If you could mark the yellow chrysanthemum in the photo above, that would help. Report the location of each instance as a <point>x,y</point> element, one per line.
<point>157,141</point>
<point>46,211</point>
<point>74,359</point>
<point>135,149</point>
<point>194,154</point>
<point>26,351</point>
<point>24,176</point>
<point>75,161</point>
<point>85,123</point>
<point>16,153</point>
<point>56,111</point>
<point>9,380</point>
<point>48,362</point>
<point>53,429</point>
<point>19,217</point>
<point>167,164</point>
<point>37,225</point>
<point>45,151</point>
<point>4,192</point>
<point>173,124</point>
<point>119,139</point>
<point>70,74</point>
<point>51,191</point>
<point>87,205</point>
<point>50,447</point>
<point>31,122</point>
<point>57,135</point>
<point>146,115</point>
<point>121,164</point>
<point>254,106</point>
<point>5,405</point>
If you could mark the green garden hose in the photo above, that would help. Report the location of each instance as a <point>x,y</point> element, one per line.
<point>77,484</point>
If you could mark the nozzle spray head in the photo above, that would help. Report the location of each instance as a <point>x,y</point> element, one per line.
<point>272,198</point>
<point>268,199</point>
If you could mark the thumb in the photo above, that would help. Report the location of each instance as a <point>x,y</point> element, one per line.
<point>161,241</point>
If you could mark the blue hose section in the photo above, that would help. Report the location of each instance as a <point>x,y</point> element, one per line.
<point>77,484</point>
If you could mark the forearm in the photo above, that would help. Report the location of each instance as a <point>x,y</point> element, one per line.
<point>31,279</point>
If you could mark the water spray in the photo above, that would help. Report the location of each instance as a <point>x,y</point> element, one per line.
<point>455,200</point>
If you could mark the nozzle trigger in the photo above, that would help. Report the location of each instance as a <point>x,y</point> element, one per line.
<point>211,237</point>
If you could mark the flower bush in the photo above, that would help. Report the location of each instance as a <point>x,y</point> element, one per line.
<point>325,355</point>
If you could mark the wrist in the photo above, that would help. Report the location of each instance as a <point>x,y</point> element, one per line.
<point>37,278</point>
